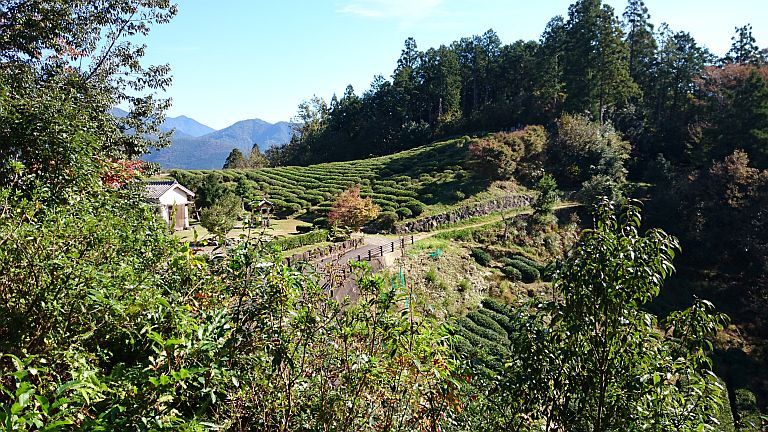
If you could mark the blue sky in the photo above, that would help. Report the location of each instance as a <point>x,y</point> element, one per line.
<point>240,59</point>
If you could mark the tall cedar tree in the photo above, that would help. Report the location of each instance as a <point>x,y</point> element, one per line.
<point>640,42</point>
<point>235,159</point>
<point>596,73</point>
<point>744,48</point>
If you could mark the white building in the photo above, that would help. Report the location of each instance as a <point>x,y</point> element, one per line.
<point>172,201</point>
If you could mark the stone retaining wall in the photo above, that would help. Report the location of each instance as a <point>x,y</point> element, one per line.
<point>430,223</point>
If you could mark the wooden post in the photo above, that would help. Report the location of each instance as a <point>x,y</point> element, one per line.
<point>411,238</point>
<point>393,246</point>
<point>358,257</point>
<point>369,255</point>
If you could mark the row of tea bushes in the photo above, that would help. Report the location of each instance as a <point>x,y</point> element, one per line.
<point>404,183</point>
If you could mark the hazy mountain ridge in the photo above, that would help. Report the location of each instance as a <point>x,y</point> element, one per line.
<point>210,151</point>
<point>197,146</point>
<point>186,126</point>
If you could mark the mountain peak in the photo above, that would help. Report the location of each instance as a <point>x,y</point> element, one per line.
<point>209,151</point>
<point>186,125</point>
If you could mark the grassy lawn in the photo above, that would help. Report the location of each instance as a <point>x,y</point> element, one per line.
<point>277,228</point>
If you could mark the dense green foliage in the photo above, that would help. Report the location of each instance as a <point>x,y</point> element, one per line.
<point>219,218</point>
<point>481,257</point>
<point>601,362</point>
<point>109,323</point>
<point>505,155</point>
<point>544,205</point>
<point>745,405</point>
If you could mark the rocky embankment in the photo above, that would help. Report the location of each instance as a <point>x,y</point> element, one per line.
<point>430,223</point>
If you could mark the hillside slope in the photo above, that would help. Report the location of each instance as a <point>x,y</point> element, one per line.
<point>423,180</point>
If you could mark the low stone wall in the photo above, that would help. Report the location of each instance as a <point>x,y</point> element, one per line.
<point>430,223</point>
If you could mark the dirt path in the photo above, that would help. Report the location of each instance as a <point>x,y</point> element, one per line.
<point>374,241</point>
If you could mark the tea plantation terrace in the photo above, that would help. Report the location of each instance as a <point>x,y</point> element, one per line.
<point>404,184</point>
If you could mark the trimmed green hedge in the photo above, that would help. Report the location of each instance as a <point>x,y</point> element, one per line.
<point>486,322</point>
<point>512,273</point>
<point>481,257</point>
<point>528,273</point>
<point>299,240</point>
<point>482,332</point>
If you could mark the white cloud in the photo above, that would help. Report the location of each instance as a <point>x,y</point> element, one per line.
<point>403,10</point>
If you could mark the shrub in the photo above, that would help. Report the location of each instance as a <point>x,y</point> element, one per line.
<point>529,274</point>
<point>498,307</point>
<point>464,285</point>
<point>404,212</point>
<point>320,222</point>
<point>521,258</point>
<point>747,413</point>
<point>220,217</point>
<point>385,221</point>
<point>485,333</point>
<point>597,187</point>
<point>432,277</point>
<point>304,228</point>
<point>415,207</point>
<point>288,209</point>
<point>512,273</point>
<point>481,257</point>
<point>503,320</point>
<point>486,322</point>
<point>462,345</point>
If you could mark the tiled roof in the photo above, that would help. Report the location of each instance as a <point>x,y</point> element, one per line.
<point>156,189</point>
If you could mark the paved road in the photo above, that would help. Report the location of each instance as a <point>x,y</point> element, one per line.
<point>372,243</point>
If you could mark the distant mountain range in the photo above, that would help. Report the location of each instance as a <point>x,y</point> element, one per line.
<point>197,146</point>
<point>186,127</point>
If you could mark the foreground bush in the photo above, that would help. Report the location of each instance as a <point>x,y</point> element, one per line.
<point>108,323</point>
<point>601,362</point>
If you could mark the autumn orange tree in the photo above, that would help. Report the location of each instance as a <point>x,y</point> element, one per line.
<point>352,210</point>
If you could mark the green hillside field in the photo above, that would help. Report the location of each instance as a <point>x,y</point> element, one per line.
<point>411,183</point>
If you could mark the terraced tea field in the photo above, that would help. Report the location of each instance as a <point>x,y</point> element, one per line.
<point>406,183</point>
